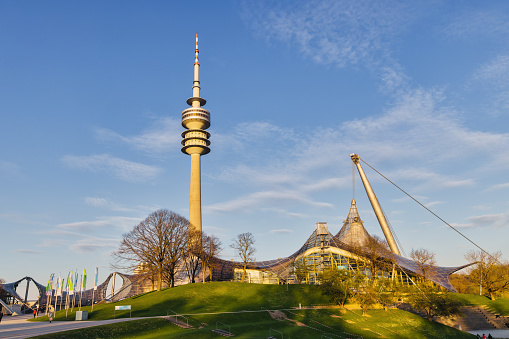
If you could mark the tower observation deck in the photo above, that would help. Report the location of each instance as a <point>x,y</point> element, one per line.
<point>195,120</point>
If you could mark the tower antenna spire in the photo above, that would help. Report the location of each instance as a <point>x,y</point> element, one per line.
<point>196,51</point>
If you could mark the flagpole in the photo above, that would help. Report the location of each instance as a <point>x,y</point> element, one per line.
<point>93,293</point>
<point>81,290</point>
<point>72,299</point>
<point>49,290</point>
<point>95,288</point>
<point>66,303</point>
<point>75,289</point>
<point>59,282</point>
<point>68,288</point>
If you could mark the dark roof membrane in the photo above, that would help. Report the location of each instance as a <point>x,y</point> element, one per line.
<point>351,238</point>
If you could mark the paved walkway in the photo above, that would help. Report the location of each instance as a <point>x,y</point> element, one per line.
<point>494,333</point>
<point>19,327</point>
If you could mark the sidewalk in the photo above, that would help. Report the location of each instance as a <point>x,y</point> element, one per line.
<point>494,333</point>
<point>19,327</point>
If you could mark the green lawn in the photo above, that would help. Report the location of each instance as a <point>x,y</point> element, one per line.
<point>207,298</point>
<point>234,297</point>
<point>329,323</point>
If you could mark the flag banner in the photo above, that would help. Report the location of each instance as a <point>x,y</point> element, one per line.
<point>62,287</point>
<point>96,276</point>
<point>76,280</point>
<point>69,286</point>
<point>49,287</point>
<point>59,286</point>
<point>84,280</point>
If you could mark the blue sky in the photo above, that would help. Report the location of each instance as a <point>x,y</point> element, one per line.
<point>91,95</point>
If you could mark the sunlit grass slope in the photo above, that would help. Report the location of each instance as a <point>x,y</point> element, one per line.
<point>217,297</point>
<point>318,323</point>
<point>207,298</point>
<point>499,306</point>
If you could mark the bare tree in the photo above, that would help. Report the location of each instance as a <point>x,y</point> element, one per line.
<point>243,244</point>
<point>490,272</point>
<point>157,243</point>
<point>211,247</point>
<point>425,259</point>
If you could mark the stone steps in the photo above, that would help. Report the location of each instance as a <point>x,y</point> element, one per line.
<point>476,318</point>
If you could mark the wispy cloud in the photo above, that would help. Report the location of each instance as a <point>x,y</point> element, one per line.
<point>101,223</point>
<point>332,32</point>
<point>434,203</point>
<point>120,168</point>
<point>94,244</point>
<point>27,251</point>
<point>284,230</point>
<point>162,136</point>
<point>429,139</point>
<point>495,71</point>
<point>491,80</point>
<point>498,187</point>
<point>255,200</point>
<point>105,203</point>
<point>478,23</point>
<point>490,220</point>
<point>340,33</point>
<point>9,167</point>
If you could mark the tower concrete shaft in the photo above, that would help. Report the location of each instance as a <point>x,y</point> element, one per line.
<point>376,206</point>
<point>196,120</point>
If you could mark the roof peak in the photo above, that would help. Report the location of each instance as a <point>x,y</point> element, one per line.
<point>353,231</point>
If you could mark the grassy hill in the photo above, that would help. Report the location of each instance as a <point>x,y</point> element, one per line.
<point>318,323</point>
<point>208,298</point>
<point>499,306</point>
<point>205,305</point>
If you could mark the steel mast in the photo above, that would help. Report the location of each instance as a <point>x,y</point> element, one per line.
<point>376,205</point>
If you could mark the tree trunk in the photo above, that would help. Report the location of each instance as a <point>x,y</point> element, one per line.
<point>243,274</point>
<point>364,312</point>
<point>203,269</point>
<point>492,296</point>
<point>159,279</point>
<point>172,278</point>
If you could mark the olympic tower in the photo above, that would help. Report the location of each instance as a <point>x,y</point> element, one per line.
<point>195,120</point>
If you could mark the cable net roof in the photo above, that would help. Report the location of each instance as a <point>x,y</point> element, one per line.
<point>353,232</point>
<point>353,238</point>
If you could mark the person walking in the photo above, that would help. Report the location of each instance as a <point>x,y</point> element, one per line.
<point>35,313</point>
<point>50,317</point>
<point>1,316</point>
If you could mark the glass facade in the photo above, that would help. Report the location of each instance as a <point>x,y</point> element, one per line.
<point>307,269</point>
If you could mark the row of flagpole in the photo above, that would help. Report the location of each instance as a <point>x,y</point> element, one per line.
<point>56,288</point>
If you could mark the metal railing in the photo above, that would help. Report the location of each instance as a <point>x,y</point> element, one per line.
<point>270,332</point>
<point>218,322</point>
<point>176,316</point>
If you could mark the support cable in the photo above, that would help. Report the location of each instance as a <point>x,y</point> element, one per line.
<point>393,232</point>
<point>353,179</point>
<point>445,222</point>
